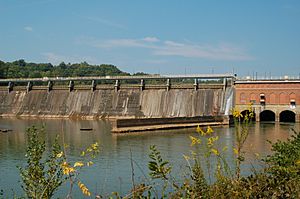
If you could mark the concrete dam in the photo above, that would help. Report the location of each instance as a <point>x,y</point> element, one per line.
<point>110,104</point>
<point>119,101</point>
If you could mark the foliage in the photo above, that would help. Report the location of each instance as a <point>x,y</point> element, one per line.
<point>41,177</point>
<point>160,169</point>
<point>241,124</point>
<point>279,179</point>
<point>284,167</point>
<point>22,69</point>
<point>73,172</point>
<point>286,155</point>
<point>157,166</point>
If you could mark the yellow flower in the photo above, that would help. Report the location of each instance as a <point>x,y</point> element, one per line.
<point>64,164</point>
<point>78,164</point>
<point>71,170</point>
<point>84,189</point>
<point>251,114</point>
<point>209,130</point>
<point>95,146</point>
<point>215,151</point>
<point>200,131</point>
<point>89,163</point>
<point>82,153</point>
<point>219,167</point>
<point>225,148</point>
<point>195,140</point>
<point>59,155</point>
<point>67,169</point>
<point>211,140</point>
<point>236,113</point>
<point>235,151</point>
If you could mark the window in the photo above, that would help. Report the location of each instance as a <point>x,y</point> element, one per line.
<point>293,103</point>
<point>262,99</point>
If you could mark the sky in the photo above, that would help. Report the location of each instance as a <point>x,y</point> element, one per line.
<point>156,36</point>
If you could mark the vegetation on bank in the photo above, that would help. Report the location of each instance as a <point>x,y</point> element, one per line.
<point>23,69</point>
<point>210,175</point>
<point>45,172</point>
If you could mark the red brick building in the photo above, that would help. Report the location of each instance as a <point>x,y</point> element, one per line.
<point>273,100</point>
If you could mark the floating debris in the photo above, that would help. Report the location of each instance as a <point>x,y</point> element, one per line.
<point>86,129</point>
<point>5,130</point>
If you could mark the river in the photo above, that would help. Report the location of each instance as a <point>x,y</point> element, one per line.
<point>112,170</point>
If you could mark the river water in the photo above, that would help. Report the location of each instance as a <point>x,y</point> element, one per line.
<point>112,170</point>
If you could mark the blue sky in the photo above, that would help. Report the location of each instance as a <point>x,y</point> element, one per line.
<point>156,36</point>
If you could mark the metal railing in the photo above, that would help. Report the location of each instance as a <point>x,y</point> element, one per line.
<point>272,78</point>
<point>89,78</point>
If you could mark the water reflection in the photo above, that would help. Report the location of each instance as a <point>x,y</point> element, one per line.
<point>112,169</point>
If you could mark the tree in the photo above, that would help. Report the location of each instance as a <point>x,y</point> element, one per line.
<point>2,69</point>
<point>21,69</point>
<point>40,177</point>
<point>20,62</point>
<point>62,65</point>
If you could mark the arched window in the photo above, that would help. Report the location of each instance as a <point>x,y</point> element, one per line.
<point>262,99</point>
<point>272,98</point>
<point>253,99</point>
<point>282,98</point>
<point>243,98</point>
<point>292,101</point>
<point>292,96</point>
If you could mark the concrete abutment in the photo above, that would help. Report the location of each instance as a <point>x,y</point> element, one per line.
<point>290,114</point>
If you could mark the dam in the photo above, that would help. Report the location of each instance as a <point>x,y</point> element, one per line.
<point>123,97</point>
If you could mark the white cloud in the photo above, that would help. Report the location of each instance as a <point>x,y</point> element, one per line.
<point>124,43</point>
<point>28,28</point>
<point>56,58</point>
<point>151,39</point>
<point>222,51</point>
<point>217,52</point>
<point>116,43</point>
<point>172,43</point>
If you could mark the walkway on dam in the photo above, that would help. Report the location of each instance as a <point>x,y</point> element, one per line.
<point>137,77</point>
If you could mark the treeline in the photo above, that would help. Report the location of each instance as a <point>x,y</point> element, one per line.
<point>23,69</point>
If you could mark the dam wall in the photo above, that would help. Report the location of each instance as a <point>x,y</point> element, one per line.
<point>109,103</point>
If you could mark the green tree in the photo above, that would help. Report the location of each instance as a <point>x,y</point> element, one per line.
<point>22,69</point>
<point>2,69</point>
<point>41,177</point>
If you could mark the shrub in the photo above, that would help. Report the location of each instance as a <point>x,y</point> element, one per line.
<point>41,176</point>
